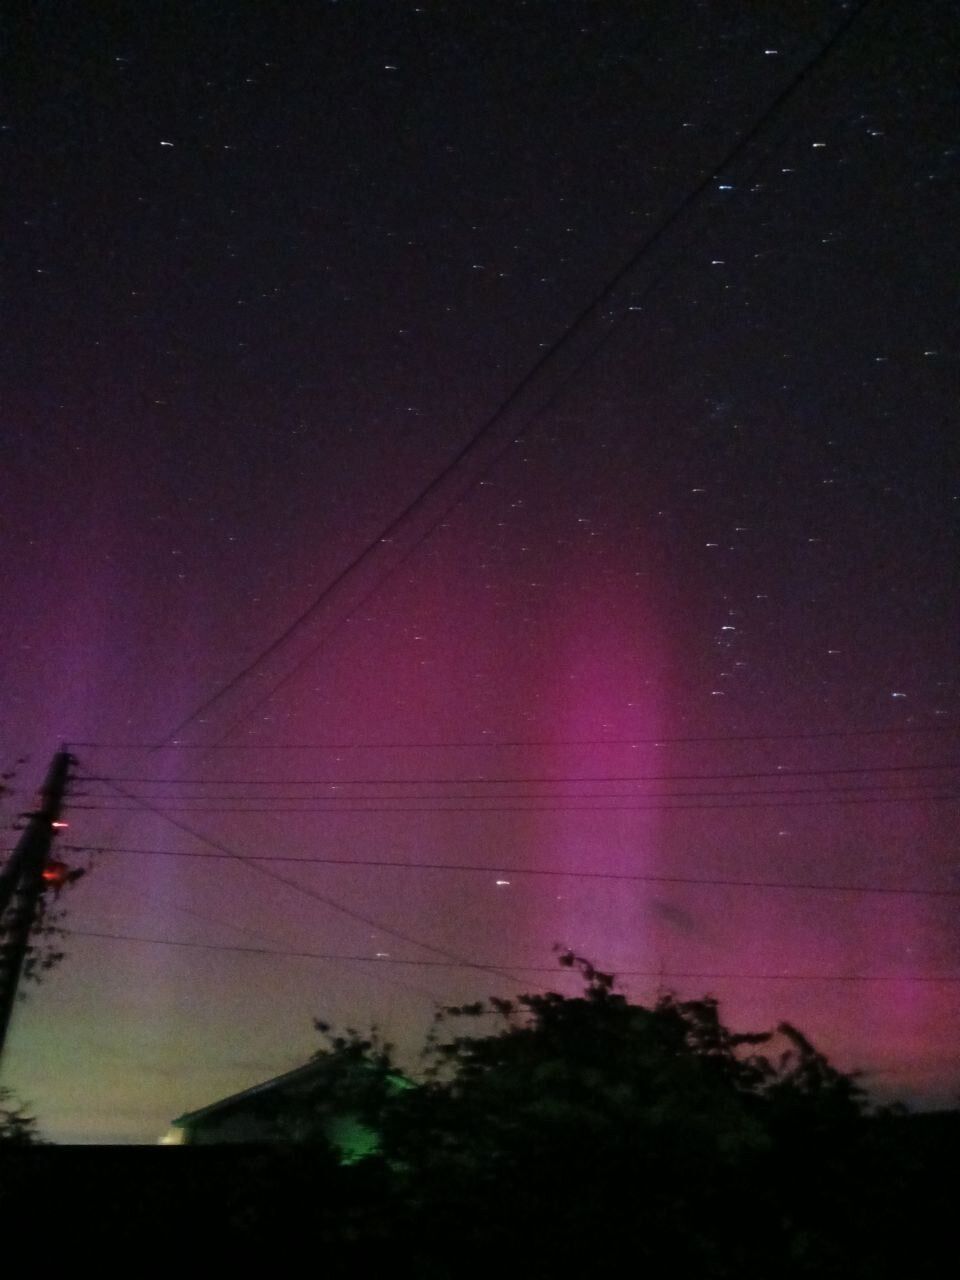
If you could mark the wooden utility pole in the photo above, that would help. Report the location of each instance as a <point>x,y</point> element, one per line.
<point>22,882</point>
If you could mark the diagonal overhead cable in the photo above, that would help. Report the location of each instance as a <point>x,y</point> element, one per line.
<point>395,565</point>
<point>328,902</point>
<point>484,432</point>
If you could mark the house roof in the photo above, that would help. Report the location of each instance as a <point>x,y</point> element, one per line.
<point>298,1075</point>
<point>295,1076</point>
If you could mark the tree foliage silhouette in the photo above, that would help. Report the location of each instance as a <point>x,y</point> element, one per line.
<point>17,1127</point>
<point>709,1147</point>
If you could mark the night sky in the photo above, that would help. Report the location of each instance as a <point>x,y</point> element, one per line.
<point>268,270</point>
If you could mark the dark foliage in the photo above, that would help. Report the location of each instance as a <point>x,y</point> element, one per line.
<point>562,1137</point>
<point>17,1127</point>
<point>592,1126</point>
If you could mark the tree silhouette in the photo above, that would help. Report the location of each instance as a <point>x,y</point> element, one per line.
<point>17,1126</point>
<point>656,1129</point>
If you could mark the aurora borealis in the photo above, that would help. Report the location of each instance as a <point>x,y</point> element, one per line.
<point>268,268</point>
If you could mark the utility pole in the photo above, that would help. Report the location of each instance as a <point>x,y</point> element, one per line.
<point>22,882</point>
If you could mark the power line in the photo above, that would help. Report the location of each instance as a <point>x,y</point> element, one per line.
<point>525,968</point>
<point>517,742</point>
<point>293,884</point>
<point>548,356</point>
<point>552,872</point>
<point>510,781</point>
<point>426,533</point>
<point>387,534</point>
<point>545,795</point>
<point>495,808</point>
<point>383,538</point>
<point>284,952</point>
<point>219,922</point>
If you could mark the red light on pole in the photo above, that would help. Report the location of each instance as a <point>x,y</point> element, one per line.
<point>55,874</point>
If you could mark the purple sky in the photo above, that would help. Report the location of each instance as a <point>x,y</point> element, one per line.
<point>266,277</point>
